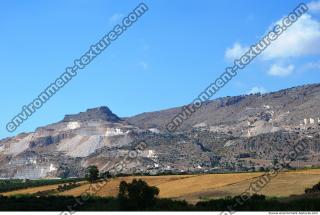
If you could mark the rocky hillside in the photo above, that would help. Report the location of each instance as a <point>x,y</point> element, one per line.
<point>285,108</point>
<point>241,133</point>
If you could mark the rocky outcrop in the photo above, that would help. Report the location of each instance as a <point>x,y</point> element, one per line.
<point>95,114</point>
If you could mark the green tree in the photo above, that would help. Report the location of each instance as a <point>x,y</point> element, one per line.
<point>314,189</point>
<point>105,175</point>
<point>137,195</point>
<point>92,174</point>
<point>275,162</point>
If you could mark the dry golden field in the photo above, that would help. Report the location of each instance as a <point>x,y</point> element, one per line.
<point>202,187</point>
<point>33,190</point>
<point>112,187</point>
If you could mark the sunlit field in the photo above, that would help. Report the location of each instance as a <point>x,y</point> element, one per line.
<point>194,188</point>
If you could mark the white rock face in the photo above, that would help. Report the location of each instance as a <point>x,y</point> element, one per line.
<point>52,168</point>
<point>35,171</point>
<point>73,125</point>
<point>18,146</point>
<point>311,121</point>
<point>80,146</point>
<point>113,132</point>
<point>1,148</point>
<point>33,161</point>
<point>202,124</point>
<point>229,143</point>
<point>151,154</point>
<point>249,133</point>
<point>260,127</point>
<point>154,130</point>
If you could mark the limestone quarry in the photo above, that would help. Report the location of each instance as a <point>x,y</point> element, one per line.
<point>241,133</point>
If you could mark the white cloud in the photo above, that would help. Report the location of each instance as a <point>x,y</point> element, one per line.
<point>236,51</point>
<point>301,39</point>
<point>314,6</point>
<point>281,71</point>
<point>115,18</point>
<point>255,90</point>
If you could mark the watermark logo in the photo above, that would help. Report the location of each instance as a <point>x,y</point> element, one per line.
<point>230,72</point>
<point>79,64</point>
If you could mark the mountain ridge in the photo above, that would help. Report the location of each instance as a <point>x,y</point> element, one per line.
<point>238,133</point>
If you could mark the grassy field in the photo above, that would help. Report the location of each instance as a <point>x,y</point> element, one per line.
<point>204,187</point>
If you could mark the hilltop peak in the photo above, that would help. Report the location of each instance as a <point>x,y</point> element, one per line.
<point>102,113</point>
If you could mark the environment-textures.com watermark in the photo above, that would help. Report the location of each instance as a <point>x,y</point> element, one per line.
<point>230,72</point>
<point>257,185</point>
<point>79,64</point>
<point>127,159</point>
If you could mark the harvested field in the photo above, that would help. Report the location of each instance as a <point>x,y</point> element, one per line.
<point>34,190</point>
<point>203,187</point>
<point>112,187</point>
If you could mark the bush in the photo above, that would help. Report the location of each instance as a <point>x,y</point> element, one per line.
<point>105,175</point>
<point>314,189</point>
<point>62,188</point>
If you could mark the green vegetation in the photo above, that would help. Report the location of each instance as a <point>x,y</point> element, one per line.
<point>260,203</point>
<point>61,203</point>
<point>314,189</point>
<point>71,185</point>
<point>92,174</point>
<point>16,184</point>
<point>137,195</point>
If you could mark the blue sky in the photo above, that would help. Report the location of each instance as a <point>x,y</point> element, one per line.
<point>164,60</point>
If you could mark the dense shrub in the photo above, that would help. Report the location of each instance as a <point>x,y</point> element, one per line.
<point>137,195</point>
<point>314,189</point>
<point>69,186</point>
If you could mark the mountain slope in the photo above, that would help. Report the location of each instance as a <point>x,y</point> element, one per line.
<point>290,107</point>
<point>239,133</point>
